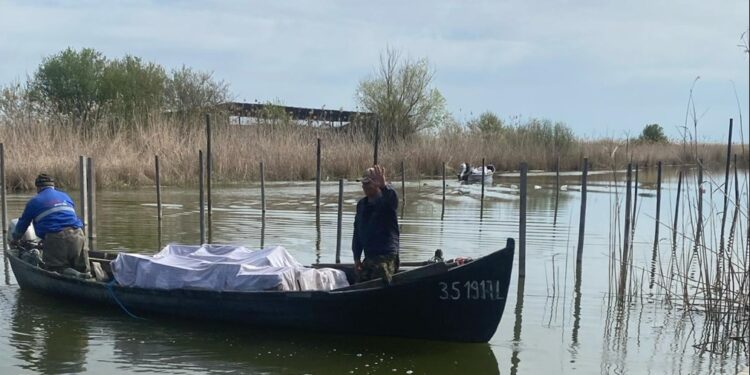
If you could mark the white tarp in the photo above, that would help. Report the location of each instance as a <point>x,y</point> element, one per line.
<point>222,267</point>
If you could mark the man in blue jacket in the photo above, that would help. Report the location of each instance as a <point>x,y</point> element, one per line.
<point>55,222</point>
<point>376,228</point>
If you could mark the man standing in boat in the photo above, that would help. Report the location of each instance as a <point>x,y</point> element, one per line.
<point>55,222</point>
<point>376,230</point>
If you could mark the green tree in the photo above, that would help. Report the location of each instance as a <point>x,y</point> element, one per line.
<point>69,83</point>
<point>402,96</point>
<point>133,89</point>
<point>486,123</point>
<point>653,134</point>
<point>189,92</point>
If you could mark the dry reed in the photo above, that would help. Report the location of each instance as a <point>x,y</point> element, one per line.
<point>124,157</point>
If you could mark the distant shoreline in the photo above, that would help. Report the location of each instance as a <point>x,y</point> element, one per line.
<point>125,158</point>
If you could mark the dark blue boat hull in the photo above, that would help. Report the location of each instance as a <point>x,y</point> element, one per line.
<point>463,304</point>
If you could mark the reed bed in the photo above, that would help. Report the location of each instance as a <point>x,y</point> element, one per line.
<point>700,266</point>
<point>124,156</point>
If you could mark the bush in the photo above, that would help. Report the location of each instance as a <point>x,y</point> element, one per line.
<point>653,134</point>
<point>552,136</point>
<point>273,116</point>
<point>487,123</point>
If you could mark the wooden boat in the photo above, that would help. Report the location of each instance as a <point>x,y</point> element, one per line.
<point>450,301</point>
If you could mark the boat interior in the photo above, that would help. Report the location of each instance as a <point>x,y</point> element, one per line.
<point>408,271</point>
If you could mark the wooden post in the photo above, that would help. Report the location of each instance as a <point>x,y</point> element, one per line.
<point>158,190</point>
<point>262,188</point>
<point>557,187</point>
<point>377,142</point>
<point>83,204</point>
<point>208,169</point>
<point>626,237</point>
<point>442,212</point>
<point>655,250</point>
<point>676,217</point>
<point>658,206</point>
<point>582,221</point>
<point>3,197</point>
<point>201,205</point>
<point>481,199</point>
<point>339,221</point>
<point>317,184</point>
<point>635,204</point>
<point>628,200</point>
<point>720,257</point>
<point>91,187</point>
<point>522,223</point>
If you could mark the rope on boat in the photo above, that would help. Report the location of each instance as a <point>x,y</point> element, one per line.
<point>111,291</point>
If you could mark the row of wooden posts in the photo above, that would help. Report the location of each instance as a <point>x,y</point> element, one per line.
<point>523,192</point>
<point>88,197</point>
<point>87,206</point>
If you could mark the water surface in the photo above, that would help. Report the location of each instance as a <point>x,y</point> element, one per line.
<point>555,321</point>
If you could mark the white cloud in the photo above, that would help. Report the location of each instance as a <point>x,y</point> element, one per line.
<point>531,57</point>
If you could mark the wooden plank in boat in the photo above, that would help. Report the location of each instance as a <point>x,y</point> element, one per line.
<point>402,277</point>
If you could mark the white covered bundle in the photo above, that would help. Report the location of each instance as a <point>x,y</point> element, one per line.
<point>222,268</point>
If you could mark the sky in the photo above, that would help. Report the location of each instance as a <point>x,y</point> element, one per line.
<point>605,68</point>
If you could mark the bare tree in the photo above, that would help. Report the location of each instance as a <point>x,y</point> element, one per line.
<point>400,93</point>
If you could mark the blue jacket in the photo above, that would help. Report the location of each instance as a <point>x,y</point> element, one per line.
<point>51,211</point>
<point>376,225</point>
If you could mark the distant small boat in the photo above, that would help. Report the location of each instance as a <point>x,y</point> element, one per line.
<point>469,175</point>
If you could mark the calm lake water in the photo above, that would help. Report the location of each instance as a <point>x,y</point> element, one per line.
<point>551,323</point>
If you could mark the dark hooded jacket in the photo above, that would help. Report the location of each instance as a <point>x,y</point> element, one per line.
<point>376,225</point>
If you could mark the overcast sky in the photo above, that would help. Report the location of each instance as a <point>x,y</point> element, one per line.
<point>606,68</point>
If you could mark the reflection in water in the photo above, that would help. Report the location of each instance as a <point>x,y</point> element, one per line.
<point>662,343</point>
<point>317,241</point>
<point>574,344</point>
<point>209,225</point>
<point>6,268</point>
<point>514,360</point>
<point>59,340</point>
<point>217,348</point>
<point>48,341</point>
<point>158,234</point>
<point>652,273</point>
<point>616,335</point>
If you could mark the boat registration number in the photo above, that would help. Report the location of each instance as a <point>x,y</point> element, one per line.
<point>471,290</point>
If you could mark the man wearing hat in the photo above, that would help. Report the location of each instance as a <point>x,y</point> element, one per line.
<point>55,222</point>
<point>376,230</point>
